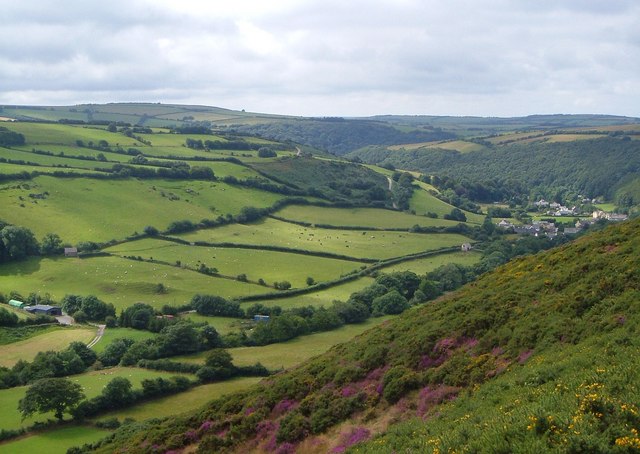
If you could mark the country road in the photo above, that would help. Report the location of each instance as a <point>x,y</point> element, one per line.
<point>99,335</point>
<point>395,205</point>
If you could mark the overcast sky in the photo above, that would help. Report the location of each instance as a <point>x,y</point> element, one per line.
<point>327,57</point>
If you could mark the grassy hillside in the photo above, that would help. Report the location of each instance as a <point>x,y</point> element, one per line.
<point>539,356</point>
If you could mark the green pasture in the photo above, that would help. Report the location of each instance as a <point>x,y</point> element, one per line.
<point>176,404</point>
<point>293,352</point>
<point>91,382</point>
<point>53,161</point>
<point>121,282</point>
<point>428,264</point>
<point>55,441</point>
<point>223,325</point>
<point>70,151</point>
<point>6,168</point>
<point>606,206</point>
<point>422,202</point>
<point>58,339</point>
<point>324,297</point>
<point>59,134</point>
<point>359,217</point>
<point>48,113</point>
<point>131,205</point>
<point>114,333</point>
<point>351,243</point>
<point>256,264</point>
<point>22,314</point>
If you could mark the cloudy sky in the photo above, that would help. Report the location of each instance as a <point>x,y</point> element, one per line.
<point>327,57</point>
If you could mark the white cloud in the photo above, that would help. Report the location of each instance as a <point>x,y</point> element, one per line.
<point>490,57</point>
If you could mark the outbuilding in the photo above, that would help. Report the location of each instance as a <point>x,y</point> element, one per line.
<point>44,309</point>
<point>71,252</point>
<point>260,318</point>
<point>16,303</point>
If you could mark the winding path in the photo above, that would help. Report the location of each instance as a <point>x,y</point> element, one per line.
<point>395,205</point>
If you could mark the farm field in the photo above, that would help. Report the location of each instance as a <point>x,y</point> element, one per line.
<point>58,339</point>
<point>55,441</point>
<point>6,168</point>
<point>359,217</point>
<point>176,404</point>
<point>428,264</point>
<point>114,333</point>
<point>59,134</point>
<point>422,202</point>
<point>293,352</point>
<point>320,298</point>
<point>118,281</point>
<point>352,243</point>
<point>132,204</point>
<point>54,161</point>
<point>223,325</point>
<point>457,145</point>
<point>91,382</point>
<point>235,261</point>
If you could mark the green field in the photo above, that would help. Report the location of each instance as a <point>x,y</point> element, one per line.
<point>131,204</point>
<point>91,382</point>
<point>425,265</point>
<point>114,333</point>
<point>223,325</point>
<point>422,202</point>
<point>295,351</point>
<point>58,134</point>
<point>55,441</point>
<point>234,261</point>
<point>359,217</point>
<point>176,404</point>
<point>352,243</point>
<point>58,339</point>
<point>115,280</point>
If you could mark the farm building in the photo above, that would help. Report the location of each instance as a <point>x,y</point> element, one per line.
<point>70,252</point>
<point>43,309</point>
<point>16,303</point>
<point>466,247</point>
<point>260,318</point>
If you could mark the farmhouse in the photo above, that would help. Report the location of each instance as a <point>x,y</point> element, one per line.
<point>70,252</point>
<point>16,303</point>
<point>43,309</point>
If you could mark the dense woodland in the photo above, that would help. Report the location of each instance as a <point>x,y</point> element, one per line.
<point>593,167</point>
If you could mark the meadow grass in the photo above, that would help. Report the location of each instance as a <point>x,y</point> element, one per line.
<point>115,280</point>
<point>58,339</point>
<point>114,333</point>
<point>131,205</point>
<point>6,168</point>
<point>55,441</point>
<point>52,161</point>
<point>92,384</point>
<point>223,325</point>
<point>293,352</point>
<point>320,298</point>
<point>234,261</point>
<point>176,404</point>
<point>351,243</point>
<point>457,145</point>
<point>422,202</point>
<point>428,264</point>
<point>365,217</point>
<point>59,134</point>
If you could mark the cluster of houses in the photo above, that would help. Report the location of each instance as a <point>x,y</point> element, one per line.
<point>556,209</point>
<point>549,229</point>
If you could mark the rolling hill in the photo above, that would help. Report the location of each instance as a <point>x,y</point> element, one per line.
<point>537,356</point>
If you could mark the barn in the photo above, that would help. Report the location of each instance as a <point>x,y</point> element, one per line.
<point>43,309</point>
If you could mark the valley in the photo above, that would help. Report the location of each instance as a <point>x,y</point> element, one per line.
<point>185,232</point>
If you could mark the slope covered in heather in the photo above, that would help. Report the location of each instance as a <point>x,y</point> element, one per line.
<point>539,355</point>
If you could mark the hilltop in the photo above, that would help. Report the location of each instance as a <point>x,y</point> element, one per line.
<point>540,354</point>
